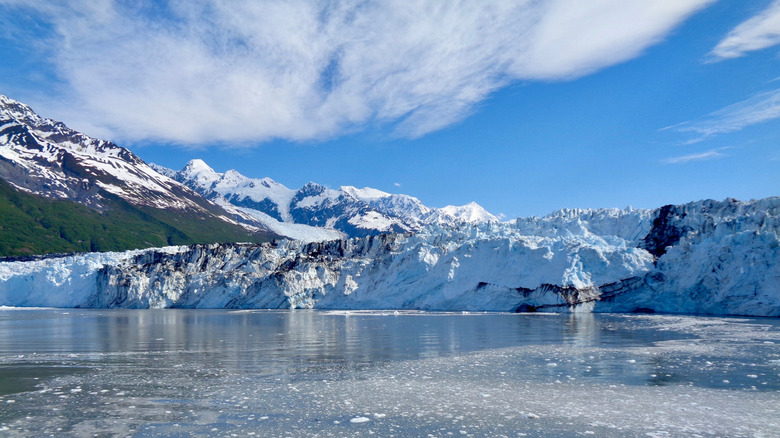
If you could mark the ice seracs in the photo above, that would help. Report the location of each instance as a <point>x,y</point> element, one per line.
<point>706,257</point>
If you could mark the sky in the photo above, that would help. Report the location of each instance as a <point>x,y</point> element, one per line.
<point>522,106</point>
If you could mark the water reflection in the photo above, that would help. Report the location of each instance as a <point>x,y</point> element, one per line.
<point>307,333</point>
<point>277,342</point>
<point>581,329</point>
<point>217,371</point>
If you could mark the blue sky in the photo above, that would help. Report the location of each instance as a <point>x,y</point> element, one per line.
<point>522,106</point>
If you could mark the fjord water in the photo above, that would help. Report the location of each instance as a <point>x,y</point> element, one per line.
<point>336,373</point>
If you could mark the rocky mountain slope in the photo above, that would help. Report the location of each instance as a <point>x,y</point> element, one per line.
<point>705,257</point>
<point>51,167</point>
<point>333,213</point>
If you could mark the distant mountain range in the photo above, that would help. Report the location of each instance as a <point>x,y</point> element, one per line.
<point>314,212</point>
<point>63,191</point>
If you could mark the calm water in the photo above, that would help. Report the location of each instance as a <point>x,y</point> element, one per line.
<point>318,373</point>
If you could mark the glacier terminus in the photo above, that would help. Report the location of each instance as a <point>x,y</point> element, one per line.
<point>706,257</point>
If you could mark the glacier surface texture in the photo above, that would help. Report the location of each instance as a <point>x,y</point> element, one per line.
<point>705,257</point>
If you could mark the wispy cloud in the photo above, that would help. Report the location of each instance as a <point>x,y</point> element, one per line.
<point>757,109</point>
<point>708,155</point>
<point>756,33</point>
<point>201,71</point>
<point>397,184</point>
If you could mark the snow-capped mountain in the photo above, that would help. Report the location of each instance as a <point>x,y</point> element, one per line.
<point>706,257</point>
<point>346,211</point>
<point>45,158</point>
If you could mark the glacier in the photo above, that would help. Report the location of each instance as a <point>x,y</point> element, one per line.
<point>705,257</point>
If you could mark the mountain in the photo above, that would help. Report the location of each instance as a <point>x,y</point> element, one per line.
<point>706,257</point>
<point>65,191</point>
<point>335,213</point>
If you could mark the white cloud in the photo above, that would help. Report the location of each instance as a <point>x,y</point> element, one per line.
<point>708,155</point>
<point>756,33</point>
<point>757,109</point>
<point>397,184</point>
<point>202,71</point>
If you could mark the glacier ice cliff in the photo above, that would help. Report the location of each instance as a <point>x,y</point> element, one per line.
<point>705,257</point>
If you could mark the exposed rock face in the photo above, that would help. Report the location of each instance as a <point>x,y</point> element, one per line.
<point>725,260</point>
<point>46,159</point>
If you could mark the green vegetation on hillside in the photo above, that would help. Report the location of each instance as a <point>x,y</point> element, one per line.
<point>32,225</point>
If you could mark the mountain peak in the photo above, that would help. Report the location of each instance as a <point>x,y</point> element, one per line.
<point>46,158</point>
<point>197,166</point>
<point>23,114</point>
<point>311,188</point>
<point>13,107</point>
<point>200,171</point>
<point>233,178</point>
<point>471,212</point>
<point>365,194</point>
<point>9,105</point>
<point>50,134</point>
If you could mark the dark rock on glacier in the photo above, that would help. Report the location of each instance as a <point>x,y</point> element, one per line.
<point>666,230</point>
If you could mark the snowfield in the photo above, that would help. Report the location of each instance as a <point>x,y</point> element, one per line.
<point>705,257</point>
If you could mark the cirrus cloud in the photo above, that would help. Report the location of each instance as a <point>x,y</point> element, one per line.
<point>759,32</point>
<point>760,108</point>
<point>700,156</point>
<point>202,71</point>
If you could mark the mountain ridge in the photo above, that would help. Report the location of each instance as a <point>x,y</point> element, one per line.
<point>348,210</point>
<point>44,158</point>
